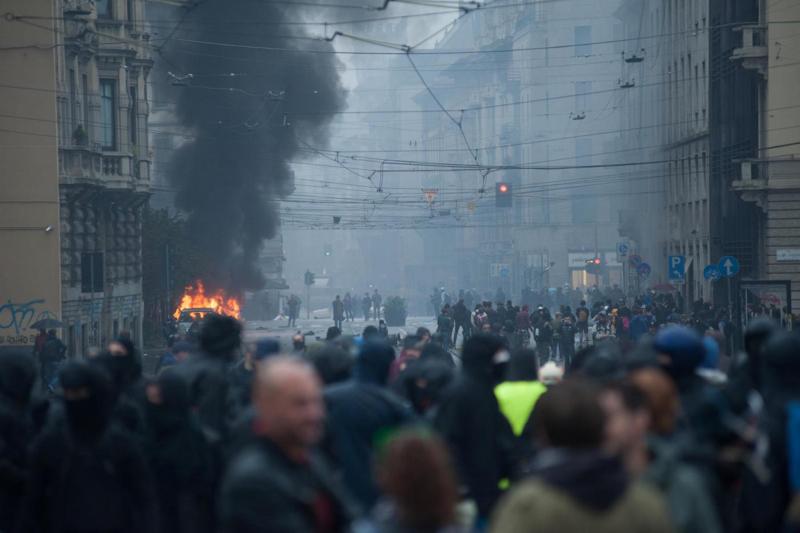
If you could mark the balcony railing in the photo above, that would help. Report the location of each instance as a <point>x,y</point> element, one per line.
<point>753,50</point>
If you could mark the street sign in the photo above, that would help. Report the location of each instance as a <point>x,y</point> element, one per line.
<point>644,270</point>
<point>623,248</point>
<point>728,266</point>
<point>677,268</point>
<point>712,273</point>
<point>505,271</point>
<point>635,260</point>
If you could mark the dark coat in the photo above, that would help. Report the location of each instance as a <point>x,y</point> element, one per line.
<point>182,462</point>
<point>17,375</point>
<point>477,433</point>
<point>100,486</point>
<point>265,492</point>
<point>359,416</point>
<point>361,412</point>
<point>209,393</point>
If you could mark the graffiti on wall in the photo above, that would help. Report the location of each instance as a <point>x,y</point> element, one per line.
<point>16,319</point>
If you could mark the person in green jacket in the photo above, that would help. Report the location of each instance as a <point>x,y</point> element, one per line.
<point>575,486</point>
<point>517,395</point>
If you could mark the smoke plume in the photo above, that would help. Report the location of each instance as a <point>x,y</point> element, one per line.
<point>247,110</point>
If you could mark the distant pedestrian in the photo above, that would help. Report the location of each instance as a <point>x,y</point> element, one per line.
<point>366,306</point>
<point>338,312</point>
<point>293,305</point>
<point>444,324</point>
<point>348,307</point>
<point>50,358</point>
<point>376,304</point>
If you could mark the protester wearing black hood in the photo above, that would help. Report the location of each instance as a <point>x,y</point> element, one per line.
<point>764,502</point>
<point>182,462</point>
<point>17,377</point>
<point>207,374</point>
<point>746,376</point>
<point>361,413</point>
<point>122,365</point>
<point>86,474</point>
<point>471,423</point>
<point>241,374</point>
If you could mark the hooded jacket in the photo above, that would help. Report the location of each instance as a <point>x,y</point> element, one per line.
<point>86,474</point>
<point>578,492</point>
<point>470,421</point>
<point>17,376</point>
<point>764,502</point>
<point>182,462</point>
<point>361,414</point>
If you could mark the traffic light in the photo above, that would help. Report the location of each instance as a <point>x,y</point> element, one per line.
<point>309,278</point>
<point>594,266</point>
<point>503,195</point>
<point>328,250</point>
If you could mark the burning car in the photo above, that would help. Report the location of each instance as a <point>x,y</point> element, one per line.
<point>196,304</point>
<point>191,316</point>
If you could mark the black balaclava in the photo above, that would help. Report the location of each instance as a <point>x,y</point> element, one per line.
<point>220,336</point>
<point>374,362</point>
<point>478,358</point>
<point>756,336</point>
<point>173,411</point>
<point>17,376</point>
<point>87,417</point>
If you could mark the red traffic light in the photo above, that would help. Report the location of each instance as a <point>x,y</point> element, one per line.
<point>502,187</point>
<point>596,261</point>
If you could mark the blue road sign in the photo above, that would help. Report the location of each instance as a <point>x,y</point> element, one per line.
<point>644,270</point>
<point>505,271</point>
<point>728,266</point>
<point>623,248</point>
<point>677,268</point>
<point>635,260</point>
<point>712,273</point>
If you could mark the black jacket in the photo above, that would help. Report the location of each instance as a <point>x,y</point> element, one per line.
<point>477,433</point>
<point>359,414</point>
<point>102,486</point>
<point>265,492</point>
<point>209,393</point>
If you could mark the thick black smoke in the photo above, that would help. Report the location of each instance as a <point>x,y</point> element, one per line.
<point>248,110</point>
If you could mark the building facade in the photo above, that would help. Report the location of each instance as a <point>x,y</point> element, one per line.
<point>102,66</point>
<point>762,51</point>
<point>30,278</point>
<point>666,120</point>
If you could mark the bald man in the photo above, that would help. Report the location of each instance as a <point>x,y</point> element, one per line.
<point>279,483</point>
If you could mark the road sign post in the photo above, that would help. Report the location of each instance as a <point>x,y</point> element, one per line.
<point>729,267</point>
<point>677,268</point>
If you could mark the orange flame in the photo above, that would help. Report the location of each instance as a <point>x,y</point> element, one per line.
<point>195,297</point>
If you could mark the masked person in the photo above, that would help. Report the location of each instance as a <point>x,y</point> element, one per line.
<point>470,421</point>
<point>86,473</point>
<point>278,483</point>
<point>17,377</point>
<point>360,412</point>
<point>182,462</point>
<point>122,365</point>
<point>207,374</point>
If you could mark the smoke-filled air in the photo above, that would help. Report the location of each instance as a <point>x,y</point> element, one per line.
<point>249,109</point>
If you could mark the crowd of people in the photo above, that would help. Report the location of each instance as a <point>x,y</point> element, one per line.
<point>668,432</point>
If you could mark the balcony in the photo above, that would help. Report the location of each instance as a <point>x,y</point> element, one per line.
<point>81,165</point>
<point>759,176</point>
<point>754,48</point>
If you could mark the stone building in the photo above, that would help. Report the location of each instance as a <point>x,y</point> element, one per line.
<point>102,65</point>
